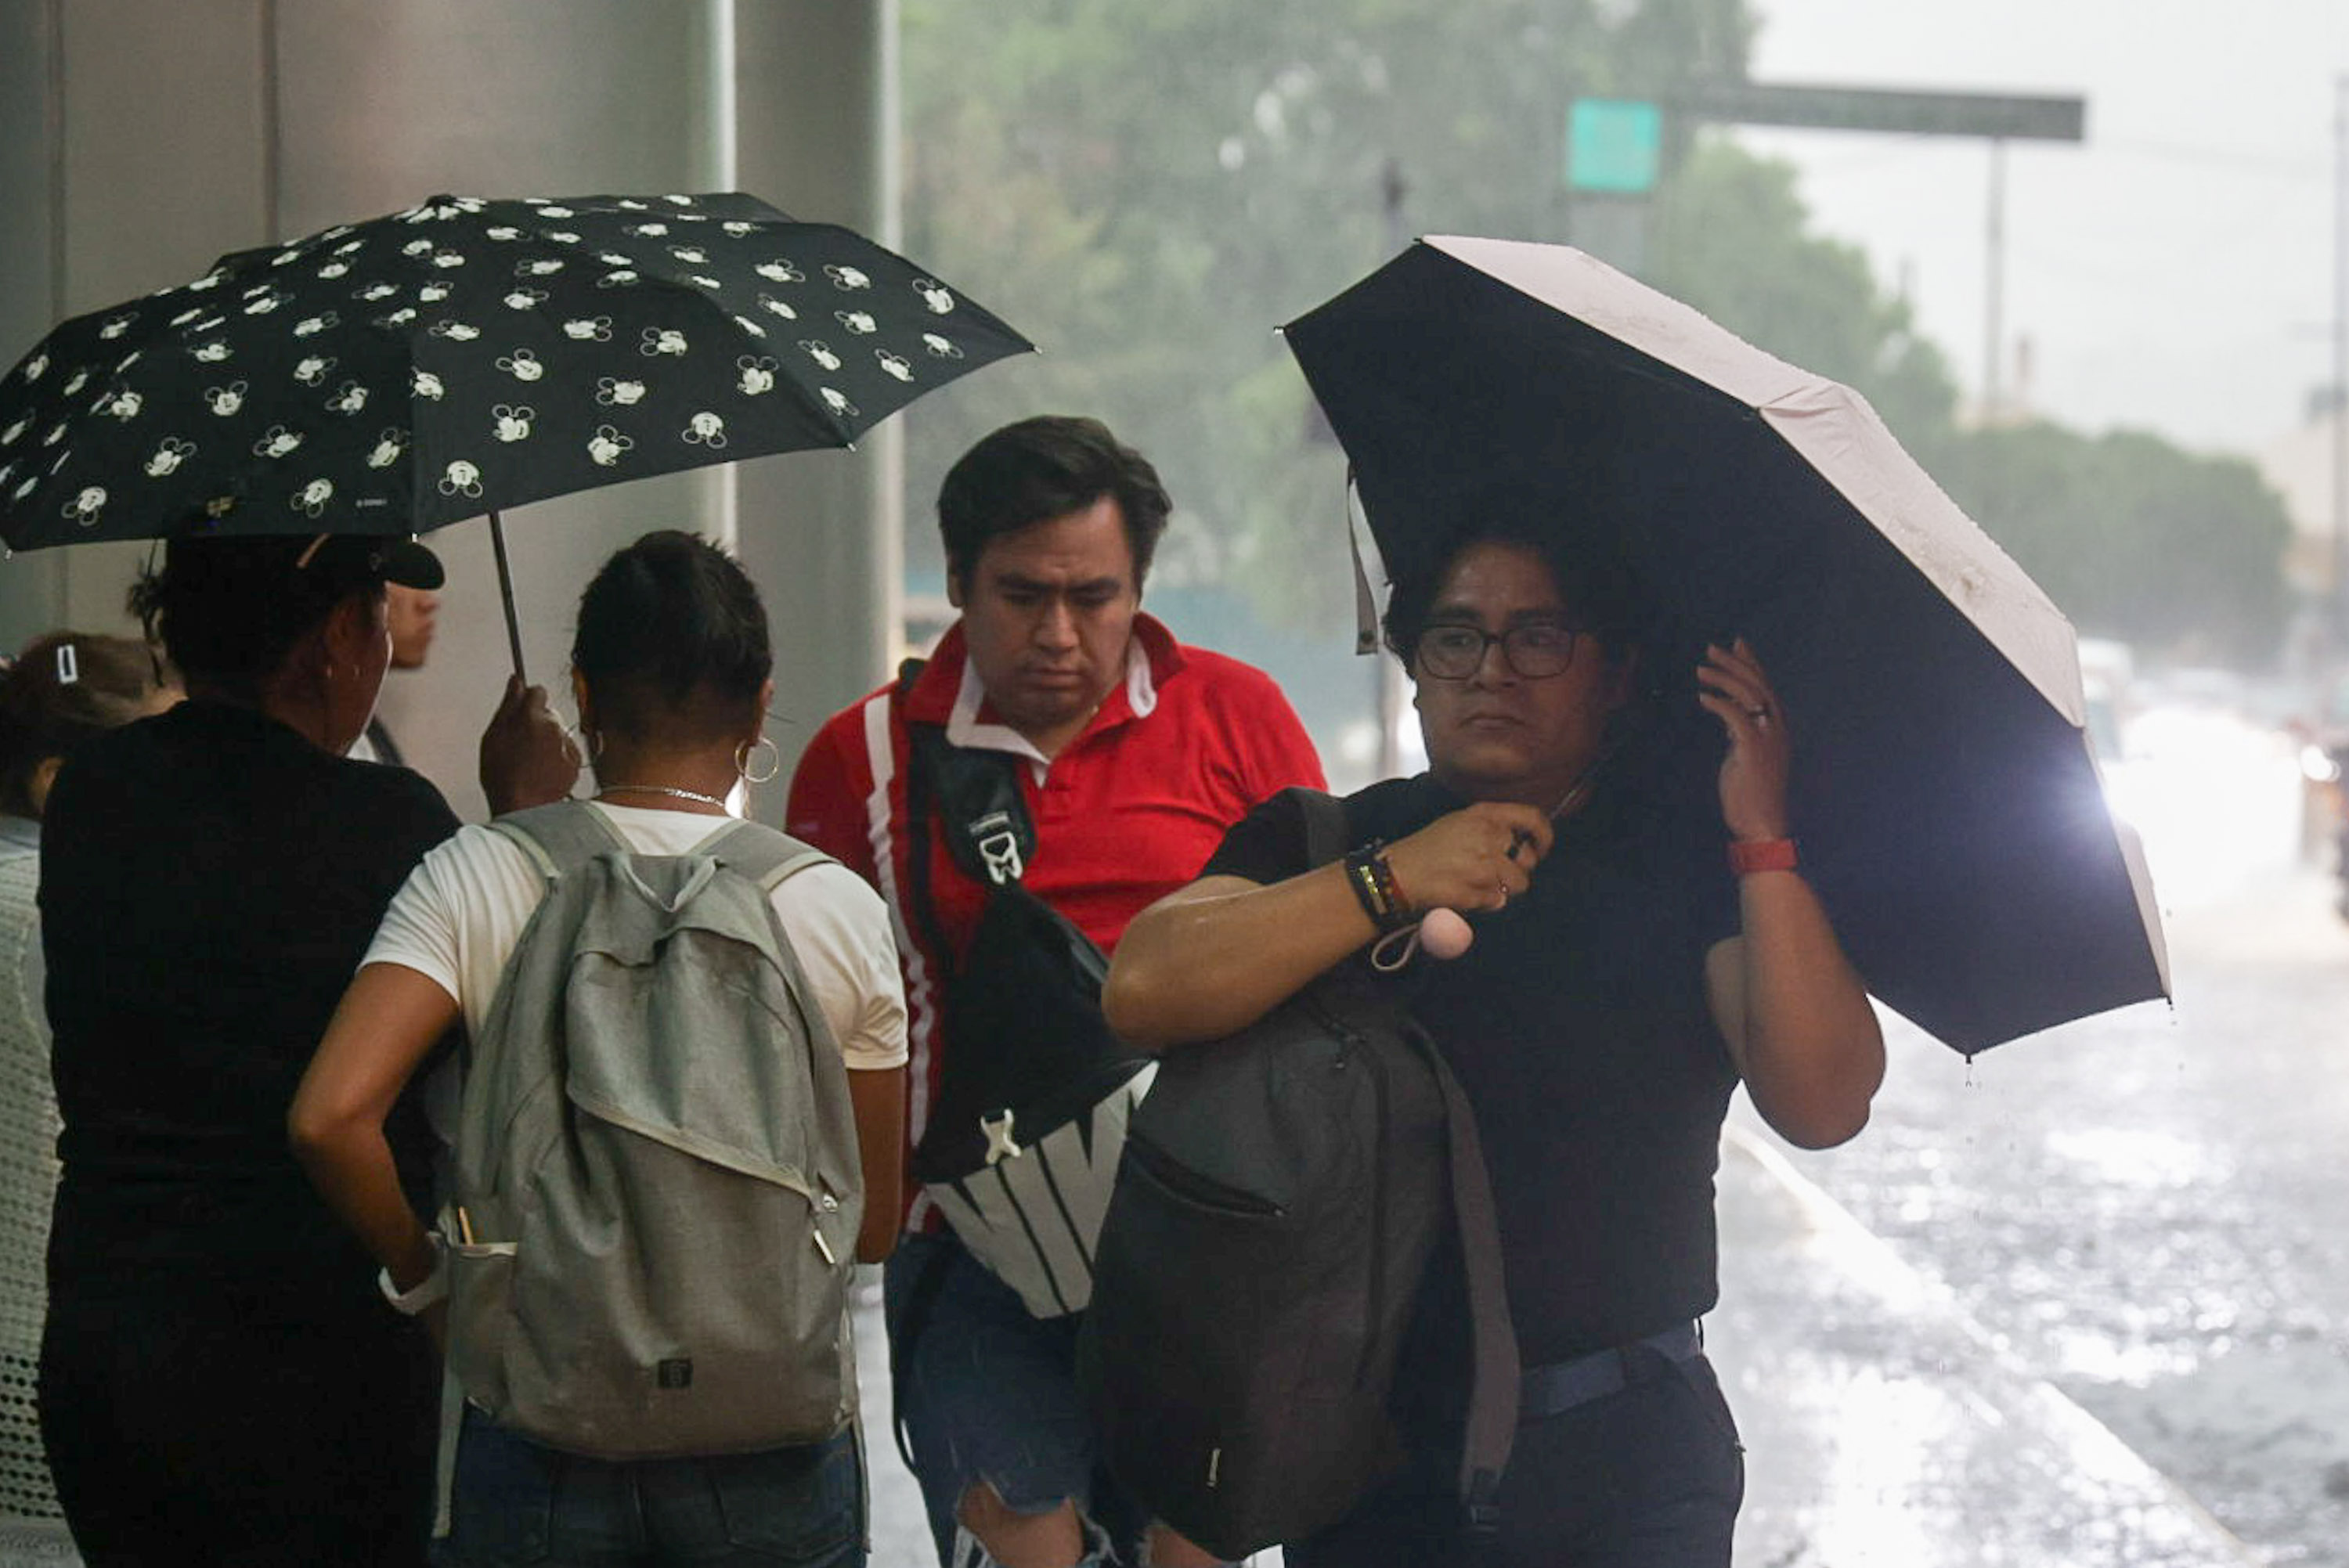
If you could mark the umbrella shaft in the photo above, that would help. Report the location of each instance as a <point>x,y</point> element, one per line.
<point>506,595</point>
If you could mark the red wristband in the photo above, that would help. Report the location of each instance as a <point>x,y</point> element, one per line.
<point>1394,884</point>
<point>1745,857</point>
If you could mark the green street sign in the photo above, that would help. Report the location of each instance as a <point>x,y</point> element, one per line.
<point>1613,145</point>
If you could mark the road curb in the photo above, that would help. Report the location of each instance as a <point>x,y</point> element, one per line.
<point>1861,1318</point>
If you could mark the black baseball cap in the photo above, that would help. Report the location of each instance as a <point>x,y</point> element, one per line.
<point>350,560</point>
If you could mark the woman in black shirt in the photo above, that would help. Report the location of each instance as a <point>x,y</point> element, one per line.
<point>218,1381</point>
<point>1617,988</point>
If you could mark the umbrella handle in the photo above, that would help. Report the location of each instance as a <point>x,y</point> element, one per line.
<point>506,593</point>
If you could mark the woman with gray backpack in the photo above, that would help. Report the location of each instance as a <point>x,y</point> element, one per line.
<point>679,1126</point>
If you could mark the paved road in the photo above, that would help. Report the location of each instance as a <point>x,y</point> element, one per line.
<point>2146,1209</point>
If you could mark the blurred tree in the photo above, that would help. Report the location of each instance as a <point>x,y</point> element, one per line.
<point>2131,536</point>
<point>1731,236</point>
<point>1148,187</point>
<point>2179,553</point>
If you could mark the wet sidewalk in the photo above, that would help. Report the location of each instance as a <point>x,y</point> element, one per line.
<point>1883,1426</point>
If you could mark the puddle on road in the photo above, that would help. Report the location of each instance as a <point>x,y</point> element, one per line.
<point>2138,1156</point>
<point>2260,1434</point>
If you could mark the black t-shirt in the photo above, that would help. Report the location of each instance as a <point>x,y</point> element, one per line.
<point>1577,1025</point>
<point>209,881</point>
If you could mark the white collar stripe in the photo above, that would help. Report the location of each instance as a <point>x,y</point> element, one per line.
<point>921,993</point>
<point>964,728</point>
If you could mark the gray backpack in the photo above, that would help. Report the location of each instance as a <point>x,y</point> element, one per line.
<point>657,1193</point>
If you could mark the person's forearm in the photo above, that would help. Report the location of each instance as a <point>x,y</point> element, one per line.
<point>382,1030</point>
<point>353,1171</point>
<point>1813,1051</point>
<point>878,1098</point>
<point>1215,956</point>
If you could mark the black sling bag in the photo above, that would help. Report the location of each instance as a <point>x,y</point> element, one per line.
<point>1020,1149</point>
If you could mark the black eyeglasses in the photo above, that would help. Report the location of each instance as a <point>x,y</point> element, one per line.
<point>1534,651</point>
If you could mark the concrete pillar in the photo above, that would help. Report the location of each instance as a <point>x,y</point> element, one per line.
<point>31,279</point>
<point>140,139</point>
<point>148,161</point>
<point>816,86</point>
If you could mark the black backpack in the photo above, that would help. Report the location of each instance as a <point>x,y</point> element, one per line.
<point>1282,1193</point>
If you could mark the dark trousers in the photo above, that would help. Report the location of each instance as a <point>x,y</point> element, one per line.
<point>519,1503</point>
<point>184,1438</point>
<point>1647,1477</point>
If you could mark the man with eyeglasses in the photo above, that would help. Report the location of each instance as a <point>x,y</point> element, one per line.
<point>1621,983</point>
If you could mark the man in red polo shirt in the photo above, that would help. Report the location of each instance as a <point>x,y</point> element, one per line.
<point>1135,754</point>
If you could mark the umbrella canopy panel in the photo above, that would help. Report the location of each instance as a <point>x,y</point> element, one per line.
<point>470,355</point>
<point>1952,816</point>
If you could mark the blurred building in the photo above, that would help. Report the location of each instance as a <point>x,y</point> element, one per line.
<point>2299,466</point>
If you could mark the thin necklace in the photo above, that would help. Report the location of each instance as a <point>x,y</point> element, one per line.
<point>1576,793</point>
<point>662,790</point>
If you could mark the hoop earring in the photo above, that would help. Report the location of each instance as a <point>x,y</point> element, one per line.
<point>594,745</point>
<point>743,753</point>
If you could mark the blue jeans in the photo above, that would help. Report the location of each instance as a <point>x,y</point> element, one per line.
<point>518,1501</point>
<point>988,1392</point>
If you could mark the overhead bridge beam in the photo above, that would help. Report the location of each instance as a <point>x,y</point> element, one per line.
<point>1995,116</point>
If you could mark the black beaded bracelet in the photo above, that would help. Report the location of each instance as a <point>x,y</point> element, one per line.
<point>1372,880</point>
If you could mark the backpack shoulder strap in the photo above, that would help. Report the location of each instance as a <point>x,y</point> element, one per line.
<point>762,854</point>
<point>560,837</point>
<point>1325,824</point>
<point>1491,1414</point>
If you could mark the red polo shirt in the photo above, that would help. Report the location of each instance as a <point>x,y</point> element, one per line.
<point>1127,812</point>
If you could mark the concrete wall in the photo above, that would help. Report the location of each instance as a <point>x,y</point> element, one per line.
<point>140,139</point>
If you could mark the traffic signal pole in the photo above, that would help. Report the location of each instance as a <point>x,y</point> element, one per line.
<point>2339,607</point>
<point>1997,118</point>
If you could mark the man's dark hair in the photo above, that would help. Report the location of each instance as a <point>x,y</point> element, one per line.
<point>228,610</point>
<point>672,641</point>
<point>1601,596</point>
<point>43,713</point>
<point>1044,468</point>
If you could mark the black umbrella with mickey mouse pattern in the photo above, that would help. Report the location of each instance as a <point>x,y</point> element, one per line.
<point>467,355</point>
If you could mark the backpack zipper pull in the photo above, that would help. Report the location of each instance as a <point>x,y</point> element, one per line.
<point>823,1246</point>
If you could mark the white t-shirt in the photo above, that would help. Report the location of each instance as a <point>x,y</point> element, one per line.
<point>464,908</point>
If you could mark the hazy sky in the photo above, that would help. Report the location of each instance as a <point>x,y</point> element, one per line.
<point>2173,271</point>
